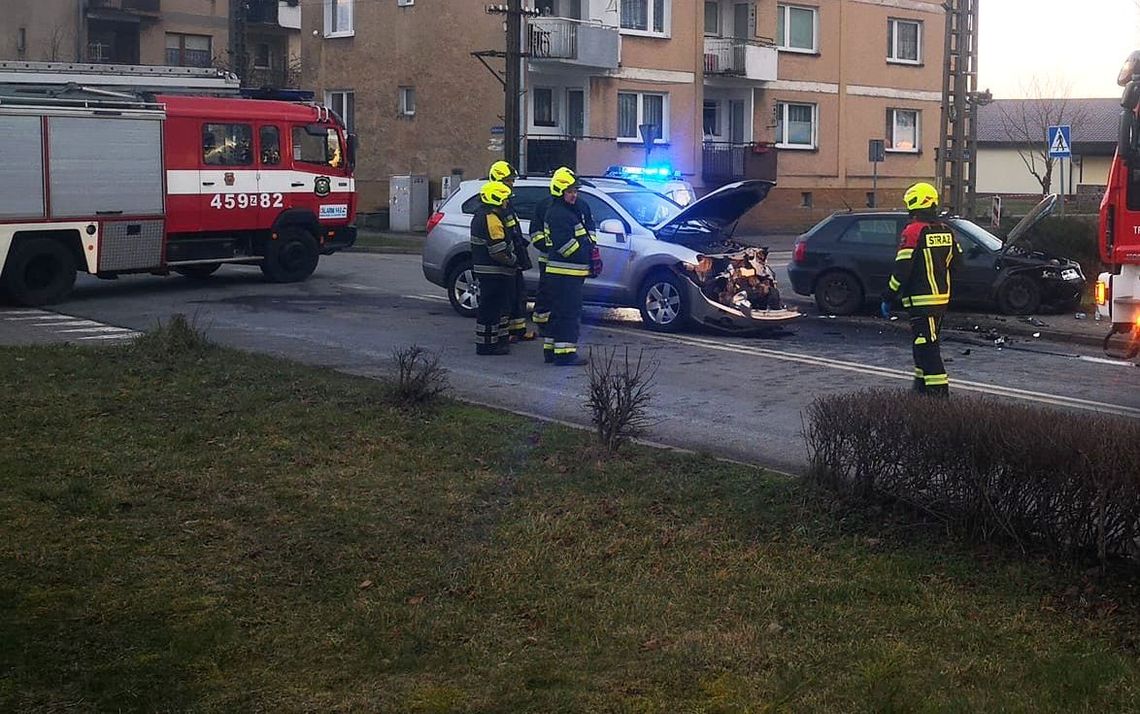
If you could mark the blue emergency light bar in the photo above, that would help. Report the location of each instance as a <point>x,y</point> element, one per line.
<point>648,172</point>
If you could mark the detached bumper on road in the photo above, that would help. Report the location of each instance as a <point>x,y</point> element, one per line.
<point>338,239</point>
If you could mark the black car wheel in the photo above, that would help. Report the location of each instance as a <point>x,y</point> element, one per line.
<point>292,257</point>
<point>662,303</point>
<point>838,293</point>
<point>463,289</point>
<point>1019,295</point>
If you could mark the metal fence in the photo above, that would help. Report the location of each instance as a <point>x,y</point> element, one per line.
<point>725,55</point>
<point>553,38</point>
<point>724,162</point>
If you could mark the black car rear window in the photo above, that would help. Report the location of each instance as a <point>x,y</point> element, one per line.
<point>873,230</point>
<point>524,199</point>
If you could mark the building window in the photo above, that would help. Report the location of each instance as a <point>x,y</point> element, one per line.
<point>407,106</point>
<point>644,15</point>
<point>712,18</point>
<point>712,118</point>
<point>338,18</point>
<point>544,110</point>
<point>796,126</point>
<point>796,28</point>
<point>188,50</point>
<point>635,109</point>
<point>904,41</point>
<point>902,130</point>
<point>343,102</point>
<point>805,199</point>
<point>261,57</point>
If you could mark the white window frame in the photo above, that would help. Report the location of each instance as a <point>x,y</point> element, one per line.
<point>719,22</point>
<point>893,114</point>
<point>664,138</point>
<point>405,3</point>
<point>337,100</point>
<point>782,110</point>
<point>330,20</point>
<point>782,42</point>
<point>666,23</point>
<point>719,134</point>
<point>405,108</point>
<point>555,112</point>
<point>893,33</point>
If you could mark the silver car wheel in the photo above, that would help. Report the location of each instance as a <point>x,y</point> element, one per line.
<point>662,303</point>
<point>467,290</point>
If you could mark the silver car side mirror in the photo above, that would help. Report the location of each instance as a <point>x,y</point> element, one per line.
<point>614,227</point>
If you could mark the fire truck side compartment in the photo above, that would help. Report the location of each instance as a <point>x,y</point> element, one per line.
<point>22,180</point>
<point>105,166</point>
<point>130,245</point>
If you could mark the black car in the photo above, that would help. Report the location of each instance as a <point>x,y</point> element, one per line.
<point>846,259</point>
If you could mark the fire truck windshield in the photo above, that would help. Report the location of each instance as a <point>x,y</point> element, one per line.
<point>317,147</point>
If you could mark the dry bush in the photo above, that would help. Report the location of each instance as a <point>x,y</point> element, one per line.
<point>420,379</point>
<point>620,391</point>
<point>1055,483</point>
<point>176,338</point>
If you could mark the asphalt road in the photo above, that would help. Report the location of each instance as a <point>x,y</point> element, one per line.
<point>735,397</point>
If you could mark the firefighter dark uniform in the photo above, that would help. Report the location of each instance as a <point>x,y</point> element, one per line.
<point>503,172</point>
<point>567,267</point>
<point>493,262</point>
<point>540,239</point>
<point>921,281</point>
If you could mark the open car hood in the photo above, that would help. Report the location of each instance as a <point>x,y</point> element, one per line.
<point>1040,212</point>
<point>714,212</point>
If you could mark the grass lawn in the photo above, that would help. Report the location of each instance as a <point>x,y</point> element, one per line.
<point>374,242</point>
<point>227,532</point>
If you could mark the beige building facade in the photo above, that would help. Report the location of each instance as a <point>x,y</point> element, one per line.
<point>260,39</point>
<point>748,89</point>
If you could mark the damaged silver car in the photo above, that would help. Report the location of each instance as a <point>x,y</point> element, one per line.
<point>676,265</point>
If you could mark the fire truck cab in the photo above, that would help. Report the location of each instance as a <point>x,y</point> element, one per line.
<point>147,169</point>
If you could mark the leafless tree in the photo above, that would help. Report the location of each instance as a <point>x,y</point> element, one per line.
<point>1025,123</point>
<point>54,50</point>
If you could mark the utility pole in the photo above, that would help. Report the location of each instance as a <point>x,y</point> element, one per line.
<point>957,156</point>
<point>512,77</point>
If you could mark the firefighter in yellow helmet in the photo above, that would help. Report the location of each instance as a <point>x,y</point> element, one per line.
<point>494,264</point>
<point>921,281</point>
<point>505,173</point>
<point>540,239</point>
<point>568,264</point>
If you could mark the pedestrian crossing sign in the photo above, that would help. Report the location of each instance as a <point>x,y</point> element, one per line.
<point>1060,142</point>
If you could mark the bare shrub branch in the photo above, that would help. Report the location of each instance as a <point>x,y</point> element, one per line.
<point>420,378</point>
<point>620,391</point>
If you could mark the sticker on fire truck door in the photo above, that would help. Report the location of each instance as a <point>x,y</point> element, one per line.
<point>336,210</point>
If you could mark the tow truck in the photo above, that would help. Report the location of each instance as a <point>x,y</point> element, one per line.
<point>116,169</point>
<point>1117,291</point>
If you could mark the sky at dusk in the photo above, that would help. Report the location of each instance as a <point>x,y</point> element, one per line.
<point>1065,43</point>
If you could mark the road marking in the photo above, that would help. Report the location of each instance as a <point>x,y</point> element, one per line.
<point>99,328</point>
<point>1106,360</point>
<point>41,316</point>
<point>65,323</point>
<point>430,298</point>
<point>116,336</point>
<point>27,311</point>
<point>886,372</point>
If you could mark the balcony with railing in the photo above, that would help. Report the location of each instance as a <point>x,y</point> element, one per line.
<point>750,60</point>
<point>572,42</point>
<point>724,162</point>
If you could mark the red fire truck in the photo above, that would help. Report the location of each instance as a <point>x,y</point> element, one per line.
<point>1118,291</point>
<point>160,169</point>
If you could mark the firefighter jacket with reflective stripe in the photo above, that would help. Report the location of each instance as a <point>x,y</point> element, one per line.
<point>570,242</point>
<point>921,276</point>
<point>492,250</point>
<point>539,236</point>
<point>515,234</point>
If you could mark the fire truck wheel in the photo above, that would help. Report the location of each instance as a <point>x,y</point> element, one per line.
<point>39,271</point>
<point>292,257</point>
<point>198,272</point>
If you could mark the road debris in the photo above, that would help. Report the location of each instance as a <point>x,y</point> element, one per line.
<point>1081,316</point>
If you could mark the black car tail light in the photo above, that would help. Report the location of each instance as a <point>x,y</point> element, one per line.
<point>800,253</point>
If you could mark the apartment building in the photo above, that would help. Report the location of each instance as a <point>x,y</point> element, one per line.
<point>729,89</point>
<point>254,38</point>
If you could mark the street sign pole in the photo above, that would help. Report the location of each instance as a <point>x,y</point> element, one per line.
<point>876,152</point>
<point>1060,139</point>
<point>1062,186</point>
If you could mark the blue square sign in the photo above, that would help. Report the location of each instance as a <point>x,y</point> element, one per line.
<point>1060,142</point>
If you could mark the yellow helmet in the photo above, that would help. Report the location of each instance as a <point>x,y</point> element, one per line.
<point>495,193</point>
<point>920,196</point>
<point>563,179</point>
<point>501,171</point>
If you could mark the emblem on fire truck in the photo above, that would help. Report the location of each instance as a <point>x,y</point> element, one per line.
<point>229,178</point>
<point>322,186</point>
